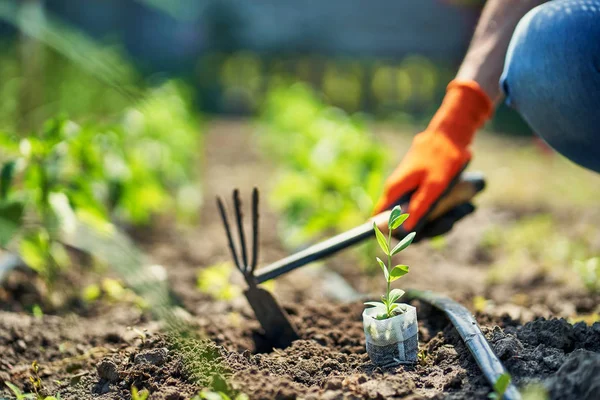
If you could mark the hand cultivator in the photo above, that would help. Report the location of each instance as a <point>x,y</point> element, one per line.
<point>279,330</point>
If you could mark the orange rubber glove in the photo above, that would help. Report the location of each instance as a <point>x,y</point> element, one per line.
<point>437,155</point>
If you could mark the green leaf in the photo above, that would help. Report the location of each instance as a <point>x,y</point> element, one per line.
<point>502,384</point>
<point>394,215</point>
<point>14,389</point>
<point>404,243</point>
<point>34,251</point>
<point>382,316</point>
<point>395,295</point>
<point>384,268</point>
<point>6,177</point>
<point>11,215</point>
<point>399,221</point>
<point>398,271</point>
<point>374,304</point>
<point>59,254</point>
<point>381,240</point>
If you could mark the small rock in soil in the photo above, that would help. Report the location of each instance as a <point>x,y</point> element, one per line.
<point>332,395</point>
<point>454,383</point>
<point>153,356</point>
<point>508,347</point>
<point>21,345</point>
<point>577,378</point>
<point>446,354</point>
<point>108,370</point>
<point>169,394</point>
<point>378,389</point>
<point>333,384</point>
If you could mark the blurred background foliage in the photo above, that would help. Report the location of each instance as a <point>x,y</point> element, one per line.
<point>103,102</point>
<point>392,61</point>
<point>331,167</point>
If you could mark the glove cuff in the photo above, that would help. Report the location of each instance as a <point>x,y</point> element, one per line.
<point>466,107</point>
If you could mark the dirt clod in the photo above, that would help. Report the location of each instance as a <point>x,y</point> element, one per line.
<point>108,370</point>
<point>577,378</point>
<point>154,356</point>
<point>556,333</point>
<point>508,347</point>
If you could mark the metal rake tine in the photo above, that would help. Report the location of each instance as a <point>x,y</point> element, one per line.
<point>254,230</point>
<point>228,232</point>
<point>240,224</point>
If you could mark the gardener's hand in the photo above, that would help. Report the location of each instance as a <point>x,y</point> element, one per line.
<point>437,156</point>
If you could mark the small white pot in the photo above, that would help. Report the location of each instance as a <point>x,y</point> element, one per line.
<point>394,340</point>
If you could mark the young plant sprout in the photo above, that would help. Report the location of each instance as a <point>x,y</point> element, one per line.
<point>388,307</point>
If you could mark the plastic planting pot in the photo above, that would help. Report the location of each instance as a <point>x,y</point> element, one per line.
<point>392,341</point>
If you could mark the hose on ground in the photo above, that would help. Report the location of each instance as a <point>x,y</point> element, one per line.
<point>471,334</point>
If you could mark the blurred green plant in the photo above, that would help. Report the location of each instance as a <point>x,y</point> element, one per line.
<point>139,395</point>
<point>210,395</point>
<point>535,391</point>
<point>19,395</point>
<point>214,281</point>
<point>331,167</point>
<point>129,170</point>
<point>589,273</point>
<point>537,241</point>
<point>500,386</point>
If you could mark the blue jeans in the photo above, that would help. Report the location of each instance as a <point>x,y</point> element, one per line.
<point>552,76</point>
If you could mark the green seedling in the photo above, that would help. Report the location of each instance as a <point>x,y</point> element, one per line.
<point>388,307</point>
<point>500,386</point>
<point>35,379</point>
<point>210,395</point>
<point>19,395</point>
<point>422,357</point>
<point>139,395</point>
<point>589,272</point>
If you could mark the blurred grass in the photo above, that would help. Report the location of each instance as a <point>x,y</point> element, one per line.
<point>521,173</point>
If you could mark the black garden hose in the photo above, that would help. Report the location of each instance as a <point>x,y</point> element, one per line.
<point>471,334</point>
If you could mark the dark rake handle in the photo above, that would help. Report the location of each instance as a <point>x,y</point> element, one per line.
<point>315,252</point>
<point>468,186</point>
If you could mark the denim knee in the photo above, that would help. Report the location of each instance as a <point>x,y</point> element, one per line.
<point>552,76</point>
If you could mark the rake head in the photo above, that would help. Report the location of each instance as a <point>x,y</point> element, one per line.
<point>277,327</point>
<point>241,259</point>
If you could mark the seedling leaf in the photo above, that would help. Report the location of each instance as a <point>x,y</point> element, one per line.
<point>501,385</point>
<point>395,295</point>
<point>398,221</point>
<point>398,271</point>
<point>384,268</point>
<point>381,240</point>
<point>14,389</point>
<point>404,243</point>
<point>396,212</point>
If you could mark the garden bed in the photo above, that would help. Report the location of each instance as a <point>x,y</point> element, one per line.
<point>103,352</point>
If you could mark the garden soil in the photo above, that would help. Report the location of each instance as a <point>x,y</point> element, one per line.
<point>100,353</point>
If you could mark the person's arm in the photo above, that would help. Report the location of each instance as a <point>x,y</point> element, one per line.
<point>440,153</point>
<point>484,60</point>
